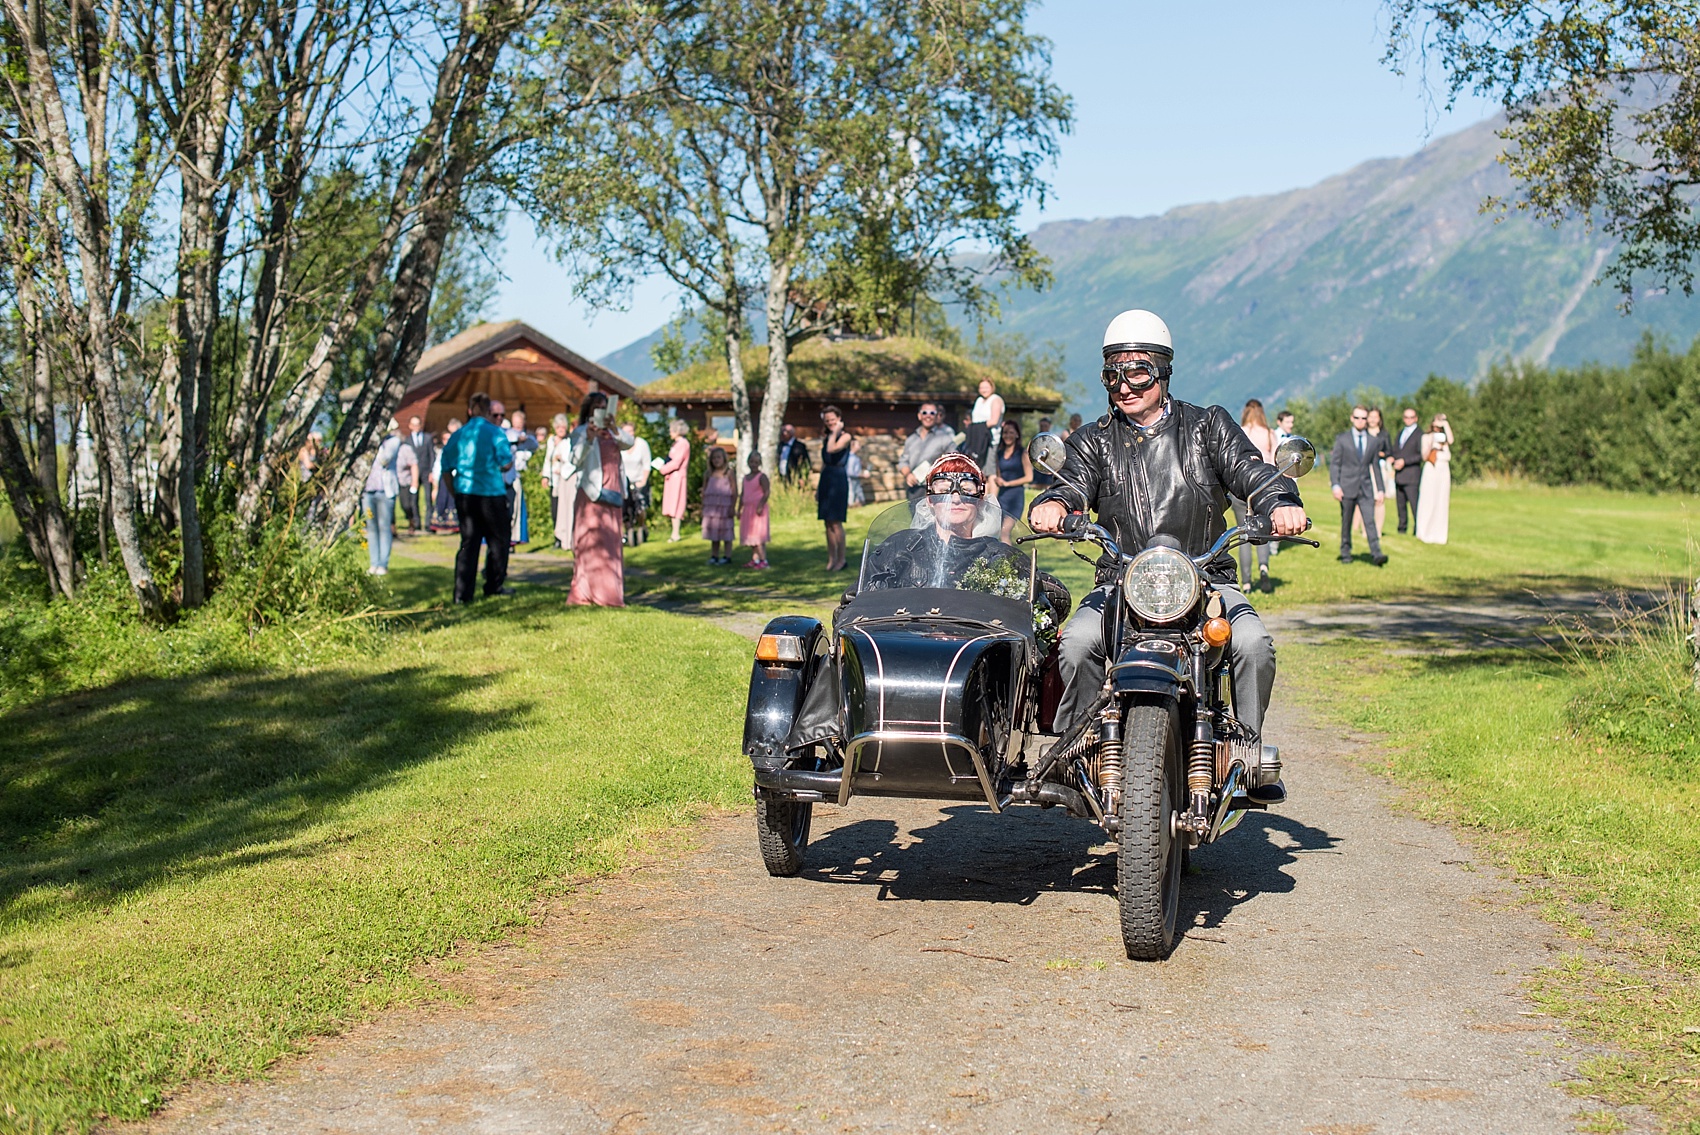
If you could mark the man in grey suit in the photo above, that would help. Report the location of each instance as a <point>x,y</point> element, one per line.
<point>1408,466</point>
<point>1351,469</point>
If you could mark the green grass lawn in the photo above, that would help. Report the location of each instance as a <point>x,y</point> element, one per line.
<point>1503,540</point>
<point>207,864</point>
<point>200,872</point>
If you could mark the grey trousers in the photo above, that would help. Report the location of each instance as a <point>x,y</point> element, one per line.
<point>1080,658</point>
<point>1364,505</point>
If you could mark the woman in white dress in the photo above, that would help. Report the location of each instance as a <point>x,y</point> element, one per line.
<point>1434,496</point>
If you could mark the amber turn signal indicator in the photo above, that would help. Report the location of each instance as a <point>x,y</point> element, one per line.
<point>1215,632</point>
<point>779,648</point>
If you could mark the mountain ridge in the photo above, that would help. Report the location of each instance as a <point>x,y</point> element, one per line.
<point>1378,275</point>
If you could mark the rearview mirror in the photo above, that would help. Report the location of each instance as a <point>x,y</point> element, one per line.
<point>1048,453</point>
<point>1295,457</point>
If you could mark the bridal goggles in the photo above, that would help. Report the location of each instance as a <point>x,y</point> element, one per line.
<point>1137,375</point>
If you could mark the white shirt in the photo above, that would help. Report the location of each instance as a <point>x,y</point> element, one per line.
<point>1405,434</point>
<point>636,463</point>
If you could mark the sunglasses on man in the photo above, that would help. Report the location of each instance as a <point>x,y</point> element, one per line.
<point>1138,376</point>
<point>962,484</point>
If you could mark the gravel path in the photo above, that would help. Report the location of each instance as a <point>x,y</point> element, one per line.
<point>1349,970</point>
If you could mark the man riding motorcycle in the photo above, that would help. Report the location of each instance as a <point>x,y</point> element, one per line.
<point>1155,466</point>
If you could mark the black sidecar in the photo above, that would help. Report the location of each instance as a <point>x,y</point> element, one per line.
<point>927,683</point>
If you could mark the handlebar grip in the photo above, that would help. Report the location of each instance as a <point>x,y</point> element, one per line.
<point>1073,523</point>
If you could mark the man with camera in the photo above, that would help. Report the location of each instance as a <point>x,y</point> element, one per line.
<point>1154,465</point>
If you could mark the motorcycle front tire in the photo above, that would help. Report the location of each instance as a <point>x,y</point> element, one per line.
<point>1152,859</point>
<point>782,830</point>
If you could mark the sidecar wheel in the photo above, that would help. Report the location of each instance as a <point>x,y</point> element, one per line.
<point>782,829</point>
<point>1151,860</point>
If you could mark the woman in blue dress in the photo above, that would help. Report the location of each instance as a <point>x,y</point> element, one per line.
<point>832,495</point>
<point>1015,473</point>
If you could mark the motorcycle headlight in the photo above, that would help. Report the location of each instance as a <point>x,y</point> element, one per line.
<point>1161,585</point>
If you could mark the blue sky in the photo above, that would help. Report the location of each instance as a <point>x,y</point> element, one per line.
<point>1175,103</point>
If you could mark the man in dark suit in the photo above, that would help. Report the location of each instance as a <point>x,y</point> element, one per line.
<point>424,448</point>
<point>1351,469</point>
<point>1408,466</point>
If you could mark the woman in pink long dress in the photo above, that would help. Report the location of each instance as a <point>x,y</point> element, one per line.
<point>753,528</point>
<point>673,489</point>
<point>599,566</point>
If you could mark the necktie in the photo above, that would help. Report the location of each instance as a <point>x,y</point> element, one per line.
<point>1360,446</point>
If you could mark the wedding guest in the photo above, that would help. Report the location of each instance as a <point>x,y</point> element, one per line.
<point>1015,473</point>
<point>1073,424</point>
<point>853,473</point>
<point>474,459</point>
<point>524,445</point>
<point>675,492</point>
<point>599,566</point>
<point>1383,471</point>
<point>1256,429</point>
<point>925,444</point>
<point>1350,472</point>
<point>562,479</point>
<point>637,462</point>
<point>794,463</point>
<point>719,499</point>
<point>407,482</point>
<point>1434,499</point>
<point>424,448</point>
<point>1408,468</point>
<point>382,488</point>
<point>983,422</point>
<point>753,529</point>
<point>1283,426</point>
<point>442,485</point>
<point>307,457</point>
<point>832,495</point>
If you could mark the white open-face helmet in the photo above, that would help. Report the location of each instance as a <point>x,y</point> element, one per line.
<point>1139,330</point>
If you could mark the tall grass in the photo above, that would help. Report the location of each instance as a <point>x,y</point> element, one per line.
<point>280,597</point>
<point>1638,688</point>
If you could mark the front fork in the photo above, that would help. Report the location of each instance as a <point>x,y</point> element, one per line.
<point>1200,759</point>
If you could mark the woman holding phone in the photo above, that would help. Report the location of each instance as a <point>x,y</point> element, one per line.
<point>832,495</point>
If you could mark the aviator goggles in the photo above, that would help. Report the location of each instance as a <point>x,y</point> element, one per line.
<point>1137,375</point>
<point>962,484</point>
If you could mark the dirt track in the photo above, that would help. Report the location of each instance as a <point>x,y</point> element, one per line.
<point>1348,971</point>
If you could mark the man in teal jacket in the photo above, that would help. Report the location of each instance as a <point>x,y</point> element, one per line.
<point>474,460</point>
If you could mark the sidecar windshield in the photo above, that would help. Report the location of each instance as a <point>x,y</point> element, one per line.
<point>946,542</point>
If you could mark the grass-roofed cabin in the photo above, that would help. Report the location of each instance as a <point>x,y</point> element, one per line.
<point>878,383</point>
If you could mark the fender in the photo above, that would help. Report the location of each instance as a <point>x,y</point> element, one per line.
<point>776,692</point>
<point>1161,675</point>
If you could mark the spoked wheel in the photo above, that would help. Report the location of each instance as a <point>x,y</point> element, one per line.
<point>782,829</point>
<point>1152,858</point>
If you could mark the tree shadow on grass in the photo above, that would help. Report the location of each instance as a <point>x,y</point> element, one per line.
<point>107,792</point>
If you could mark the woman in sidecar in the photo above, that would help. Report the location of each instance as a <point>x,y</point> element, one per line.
<point>952,534</point>
<point>929,671</point>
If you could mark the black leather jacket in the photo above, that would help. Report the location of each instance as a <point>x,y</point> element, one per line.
<point>1174,478</point>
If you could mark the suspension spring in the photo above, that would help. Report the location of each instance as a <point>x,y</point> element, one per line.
<point>1110,749</point>
<point>1201,768</point>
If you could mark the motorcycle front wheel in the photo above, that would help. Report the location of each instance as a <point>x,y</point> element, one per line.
<point>1152,859</point>
<point>782,830</point>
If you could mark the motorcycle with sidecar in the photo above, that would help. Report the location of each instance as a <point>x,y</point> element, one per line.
<point>936,679</point>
